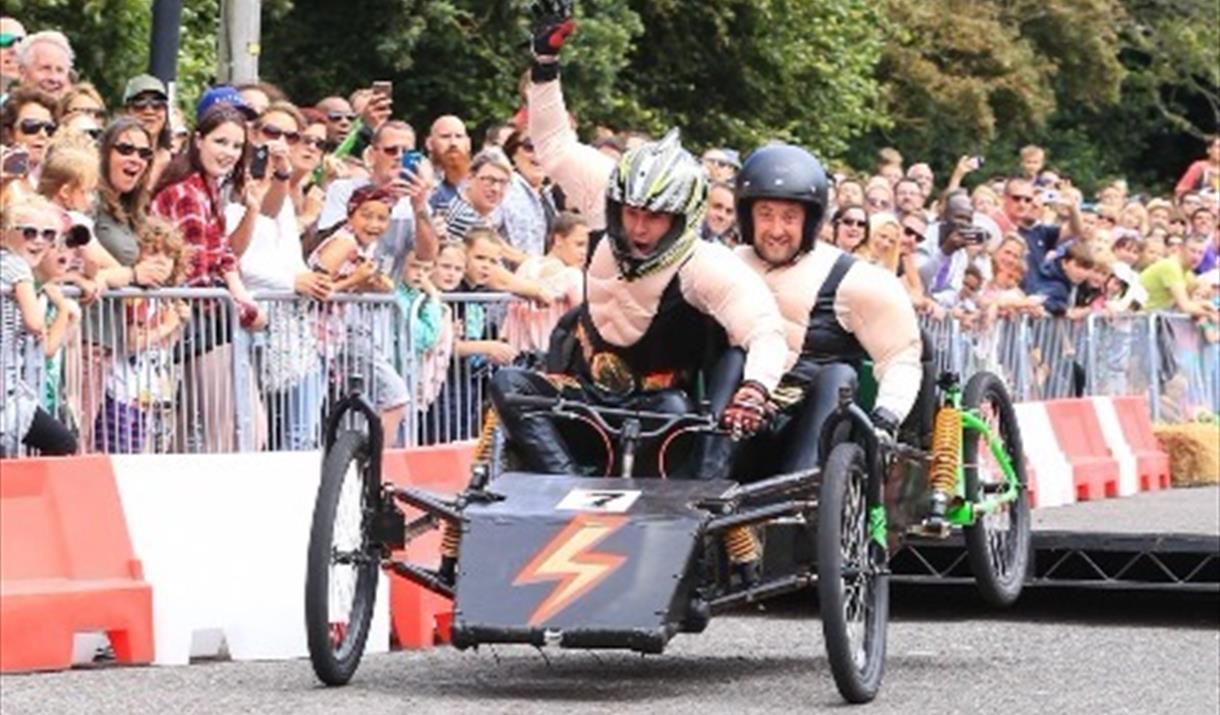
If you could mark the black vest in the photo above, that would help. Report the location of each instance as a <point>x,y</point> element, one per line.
<point>826,341</point>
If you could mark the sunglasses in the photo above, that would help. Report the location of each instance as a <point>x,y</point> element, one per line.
<point>908,231</point>
<point>33,233</point>
<point>273,132</point>
<point>7,40</point>
<point>315,142</point>
<point>393,150</point>
<point>855,223</point>
<point>34,126</point>
<point>1023,198</point>
<point>341,117</point>
<point>145,153</point>
<point>91,111</point>
<point>147,103</point>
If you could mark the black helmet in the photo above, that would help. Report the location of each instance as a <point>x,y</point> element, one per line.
<point>784,172</point>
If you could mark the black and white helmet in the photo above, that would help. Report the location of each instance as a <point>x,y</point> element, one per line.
<point>660,177</point>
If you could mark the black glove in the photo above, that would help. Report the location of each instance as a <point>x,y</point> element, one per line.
<point>551,24</point>
<point>886,422</point>
<point>748,411</point>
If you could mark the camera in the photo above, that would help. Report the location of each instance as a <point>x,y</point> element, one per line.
<point>970,234</point>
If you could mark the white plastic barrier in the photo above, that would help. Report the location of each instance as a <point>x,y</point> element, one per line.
<point>223,540</point>
<point>1112,430</point>
<point>1054,485</point>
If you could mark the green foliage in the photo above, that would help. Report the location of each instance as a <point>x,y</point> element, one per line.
<point>1110,87</point>
<point>109,37</point>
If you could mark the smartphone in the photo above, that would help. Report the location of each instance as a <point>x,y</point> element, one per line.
<point>976,162</point>
<point>1051,197</point>
<point>410,162</point>
<point>383,87</point>
<point>17,163</point>
<point>258,165</point>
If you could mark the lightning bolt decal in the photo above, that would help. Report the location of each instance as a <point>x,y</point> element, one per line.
<point>568,558</point>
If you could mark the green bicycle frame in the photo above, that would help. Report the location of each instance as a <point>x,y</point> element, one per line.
<point>967,510</point>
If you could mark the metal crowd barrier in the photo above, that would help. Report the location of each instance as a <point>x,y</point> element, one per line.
<point>136,377</point>
<point>1165,356</point>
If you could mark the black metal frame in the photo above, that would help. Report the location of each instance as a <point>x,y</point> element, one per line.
<point>1153,561</point>
<point>744,505</point>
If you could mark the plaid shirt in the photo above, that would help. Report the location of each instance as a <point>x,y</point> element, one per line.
<point>195,210</point>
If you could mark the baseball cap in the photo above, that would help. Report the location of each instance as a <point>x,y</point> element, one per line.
<point>222,94</point>
<point>142,83</point>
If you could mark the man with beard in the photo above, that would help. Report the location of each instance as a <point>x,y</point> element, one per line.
<point>410,218</point>
<point>838,311</point>
<point>448,147</point>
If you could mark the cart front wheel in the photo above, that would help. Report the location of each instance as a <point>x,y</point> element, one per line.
<point>998,544</point>
<point>853,588</point>
<point>344,564</point>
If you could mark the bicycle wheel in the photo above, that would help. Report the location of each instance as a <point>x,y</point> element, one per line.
<point>998,543</point>
<point>343,565</point>
<point>853,589</point>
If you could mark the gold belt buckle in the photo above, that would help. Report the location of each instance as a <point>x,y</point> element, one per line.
<point>611,374</point>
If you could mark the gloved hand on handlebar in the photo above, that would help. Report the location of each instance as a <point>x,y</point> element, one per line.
<point>551,24</point>
<point>885,423</point>
<point>748,411</point>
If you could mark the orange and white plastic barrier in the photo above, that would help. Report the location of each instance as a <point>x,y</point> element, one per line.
<point>1090,448</point>
<point>67,565</point>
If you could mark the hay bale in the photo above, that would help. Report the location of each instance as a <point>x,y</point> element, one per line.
<point>1194,452</point>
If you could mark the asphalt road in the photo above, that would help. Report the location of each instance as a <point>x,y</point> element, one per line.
<point>1056,652</point>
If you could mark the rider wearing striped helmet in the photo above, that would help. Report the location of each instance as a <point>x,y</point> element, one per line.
<point>661,307</point>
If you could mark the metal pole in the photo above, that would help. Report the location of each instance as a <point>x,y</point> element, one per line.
<point>240,30</point>
<point>1154,368</point>
<point>163,49</point>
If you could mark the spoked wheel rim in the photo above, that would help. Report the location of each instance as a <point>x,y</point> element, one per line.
<point>998,525</point>
<point>858,575</point>
<point>350,557</point>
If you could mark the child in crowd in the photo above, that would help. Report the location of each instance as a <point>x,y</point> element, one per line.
<point>347,257</point>
<point>141,383</point>
<point>63,317</point>
<point>528,325</point>
<point>429,322</point>
<point>31,226</point>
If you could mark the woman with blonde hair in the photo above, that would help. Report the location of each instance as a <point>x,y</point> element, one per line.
<point>1135,217</point>
<point>83,98</point>
<point>881,246</point>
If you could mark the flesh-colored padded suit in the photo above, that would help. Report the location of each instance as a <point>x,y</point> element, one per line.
<point>871,303</point>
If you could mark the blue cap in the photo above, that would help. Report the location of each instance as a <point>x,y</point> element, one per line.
<point>222,94</point>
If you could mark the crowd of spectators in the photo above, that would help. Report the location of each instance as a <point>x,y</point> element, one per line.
<point>254,194</point>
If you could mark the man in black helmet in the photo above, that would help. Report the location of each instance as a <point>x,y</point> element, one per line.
<point>838,310</point>
<point>660,304</point>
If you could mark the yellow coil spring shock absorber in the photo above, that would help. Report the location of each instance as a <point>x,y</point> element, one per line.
<point>946,446</point>
<point>451,539</point>
<point>741,545</point>
<point>487,436</point>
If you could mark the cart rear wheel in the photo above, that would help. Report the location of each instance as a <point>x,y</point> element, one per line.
<point>344,564</point>
<point>998,543</point>
<point>853,588</point>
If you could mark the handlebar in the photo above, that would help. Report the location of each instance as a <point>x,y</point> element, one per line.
<point>630,434</point>
<point>574,409</point>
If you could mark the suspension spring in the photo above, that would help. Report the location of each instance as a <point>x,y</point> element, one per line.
<point>451,539</point>
<point>741,544</point>
<point>487,436</point>
<point>946,448</point>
